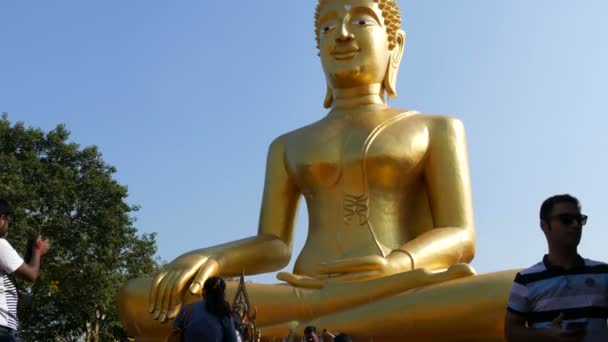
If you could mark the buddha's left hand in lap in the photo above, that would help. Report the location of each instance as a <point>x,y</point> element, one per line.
<point>352,269</point>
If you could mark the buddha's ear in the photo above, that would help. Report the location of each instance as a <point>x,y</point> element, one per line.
<point>392,69</point>
<point>329,98</point>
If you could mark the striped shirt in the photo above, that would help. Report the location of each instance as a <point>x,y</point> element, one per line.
<point>540,293</point>
<point>10,261</point>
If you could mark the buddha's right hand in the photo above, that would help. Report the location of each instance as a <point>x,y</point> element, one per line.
<point>167,292</point>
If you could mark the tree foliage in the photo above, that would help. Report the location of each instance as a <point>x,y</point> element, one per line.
<point>67,194</point>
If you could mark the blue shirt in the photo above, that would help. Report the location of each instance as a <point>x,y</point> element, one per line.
<point>204,326</point>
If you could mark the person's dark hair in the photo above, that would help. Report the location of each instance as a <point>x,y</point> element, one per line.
<point>5,208</point>
<point>214,291</point>
<point>342,338</point>
<point>547,207</point>
<point>310,330</point>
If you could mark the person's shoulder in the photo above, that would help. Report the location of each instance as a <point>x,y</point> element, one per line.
<point>524,275</point>
<point>538,267</point>
<point>596,264</point>
<point>10,260</point>
<point>5,243</point>
<point>591,262</point>
<point>197,304</point>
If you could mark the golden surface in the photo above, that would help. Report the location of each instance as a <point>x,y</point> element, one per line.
<point>391,226</point>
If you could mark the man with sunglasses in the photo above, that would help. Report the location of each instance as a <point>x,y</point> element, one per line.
<point>564,297</point>
<point>11,263</point>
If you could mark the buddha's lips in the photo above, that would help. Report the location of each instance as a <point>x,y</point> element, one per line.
<point>344,54</point>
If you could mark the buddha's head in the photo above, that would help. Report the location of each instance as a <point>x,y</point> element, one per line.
<point>360,43</point>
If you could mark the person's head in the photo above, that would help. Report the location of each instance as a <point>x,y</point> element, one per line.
<point>214,292</point>
<point>6,216</point>
<point>561,221</point>
<point>310,334</point>
<point>360,43</point>
<point>342,338</point>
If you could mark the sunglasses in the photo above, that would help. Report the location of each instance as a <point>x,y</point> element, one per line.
<point>568,219</point>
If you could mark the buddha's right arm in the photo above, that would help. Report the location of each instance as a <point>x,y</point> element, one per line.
<point>269,250</point>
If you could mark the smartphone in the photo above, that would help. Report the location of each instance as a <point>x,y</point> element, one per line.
<point>576,325</point>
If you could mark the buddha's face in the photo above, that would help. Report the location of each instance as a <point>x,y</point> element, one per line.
<point>354,45</point>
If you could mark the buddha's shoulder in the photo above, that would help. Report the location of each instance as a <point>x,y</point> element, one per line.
<point>282,142</point>
<point>435,125</point>
<point>305,132</point>
<point>436,119</point>
<point>441,124</point>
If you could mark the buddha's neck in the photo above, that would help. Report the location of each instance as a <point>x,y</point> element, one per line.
<point>357,97</point>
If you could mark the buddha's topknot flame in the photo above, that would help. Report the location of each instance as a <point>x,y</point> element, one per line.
<point>390,13</point>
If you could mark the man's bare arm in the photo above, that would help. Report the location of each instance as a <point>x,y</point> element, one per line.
<point>31,270</point>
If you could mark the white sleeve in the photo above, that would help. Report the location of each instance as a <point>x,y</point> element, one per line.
<point>10,260</point>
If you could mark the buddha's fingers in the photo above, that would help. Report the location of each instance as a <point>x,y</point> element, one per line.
<point>350,265</point>
<point>355,276</point>
<point>301,281</point>
<point>166,295</point>
<point>210,268</point>
<point>459,271</point>
<point>161,295</point>
<point>154,291</point>
<point>176,299</point>
<point>454,272</point>
<point>394,284</point>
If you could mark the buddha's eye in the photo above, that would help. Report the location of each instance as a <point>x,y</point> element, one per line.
<point>326,29</point>
<point>363,20</point>
<point>327,26</point>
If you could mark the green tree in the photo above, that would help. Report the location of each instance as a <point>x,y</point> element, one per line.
<point>67,194</point>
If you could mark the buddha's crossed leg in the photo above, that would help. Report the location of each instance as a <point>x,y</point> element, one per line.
<point>281,307</point>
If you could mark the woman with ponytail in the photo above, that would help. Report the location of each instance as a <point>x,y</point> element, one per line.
<point>209,319</point>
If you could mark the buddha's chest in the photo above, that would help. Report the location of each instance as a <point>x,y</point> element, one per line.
<point>355,157</point>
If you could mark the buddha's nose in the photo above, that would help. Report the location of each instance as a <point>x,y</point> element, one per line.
<point>343,33</point>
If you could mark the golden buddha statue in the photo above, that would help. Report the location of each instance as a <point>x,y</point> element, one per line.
<point>391,228</point>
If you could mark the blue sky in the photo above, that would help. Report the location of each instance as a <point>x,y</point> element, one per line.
<point>183,97</point>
